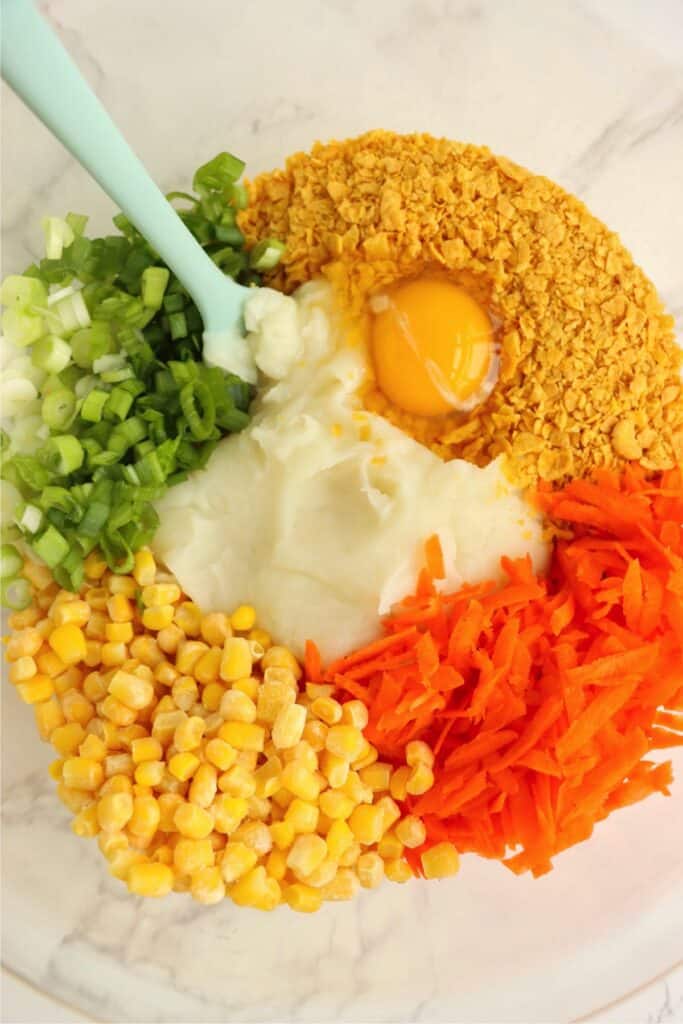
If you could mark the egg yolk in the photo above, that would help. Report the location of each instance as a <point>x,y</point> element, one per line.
<point>432,347</point>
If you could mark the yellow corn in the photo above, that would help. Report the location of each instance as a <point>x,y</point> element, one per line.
<point>235,706</point>
<point>193,822</point>
<point>440,861</point>
<point>254,834</point>
<point>116,784</point>
<point>236,660</point>
<point>398,870</point>
<point>390,811</point>
<point>220,754</point>
<point>282,833</point>
<point>150,773</point>
<point>169,639</point>
<point>125,585</point>
<point>22,669</point>
<point>390,846</point>
<point>344,886</point>
<point>85,823</point>
<point>74,799</point>
<point>24,644</point>
<point>77,612</point>
<point>399,782</point>
<point>418,752</point>
<point>146,649</point>
<point>345,741</point>
<point>188,617</point>
<point>166,673</point>
<point>94,686</point>
<point>300,781</point>
<point>50,664</point>
<point>326,709</point>
<point>302,898</point>
<point>228,812</point>
<point>93,653</point>
<point>20,620</point>
<point>144,570</point>
<point>306,854</point>
<point>113,654</point>
<point>68,643</point>
<point>243,618</point>
<point>48,715</point>
<point>146,749</point>
<point>150,879</point>
<point>116,712</point>
<point>97,626</point>
<point>207,886</point>
<point>237,781</point>
<point>288,726</point>
<point>336,805</point>
<point>215,628</point>
<point>370,870</point>
<point>94,748</point>
<point>37,574</point>
<point>119,608</point>
<point>367,824</point>
<point>203,786</point>
<point>243,736</point>
<point>280,657</point>
<point>377,776</point>
<point>168,805</point>
<point>76,707</point>
<point>166,723</point>
<point>236,860</point>
<point>82,773</point>
<point>36,690</point>
<point>315,734</point>
<point>356,789</point>
<point>183,766</point>
<point>278,690</point>
<point>421,779</point>
<point>190,855</point>
<point>302,816</point>
<point>411,831</point>
<point>267,778</point>
<point>146,816</point>
<point>157,595</point>
<point>256,889</point>
<point>249,685</point>
<point>66,739</point>
<point>158,616</point>
<point>136,693</point>
<point>185,692</point>
<point>118,632</point>
<point>335,769</point>
<point>339,839</point>
<point>118,764</point>
<point>188,735</point>
<point>276,865</point>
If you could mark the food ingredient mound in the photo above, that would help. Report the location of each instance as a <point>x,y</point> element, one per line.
<point>541,699</point>
<point>194,751</point>
<point>589,370</point>
<point>317,512</point>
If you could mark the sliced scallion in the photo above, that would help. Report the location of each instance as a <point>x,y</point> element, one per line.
<point>16,594</point>
<point>59,409</point>
<point>10,561</point>
<point>65,453</point>
<point>51,546</point>
<point>51,354</point>
<point>93,405</point>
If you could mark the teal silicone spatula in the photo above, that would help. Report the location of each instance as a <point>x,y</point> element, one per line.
<point>36,65</point>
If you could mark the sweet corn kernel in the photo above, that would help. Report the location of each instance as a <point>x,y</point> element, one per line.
<point>440,861</point>
<point>72,677</point>
<point>255,650</point>
<point>36,690</point>
<point>94,748</point>
<point>150,879</point>
<point>370,870</point>
<point>93,653</point>
<point>146,816</point>
<point>116,712</point>
<point>276,692</point>
<point>116,784</point>
<point>335,769</point>
<point>119,584</point>
<point>261,637</point>
<point>37,574</point>
<point>122,860</point>
<point>267,777</point>
<point>306,854</point>
<point>188,617</point>
<point>421,779</point>
<point>145,569</point>
<point>193,822</point>
<point>249,685</point>
<point>74,799</point>
<point>237,781</point>
<point>315,734</point>
<point>344,886</point>
<point>113,654</point>
<point>391,812</point>
<point>206,669</point>
<point>66,739</point>
<point>146,749</point>
<point>190,855</point>
<point>163,854</point>
<point>243,618</point>
<point>282,833</point>
<point>302,898</point>
<point>418,752</point>
<point>207,886</point>
<point>166,723</point>
<point>254,834</point>
<point>157,595</point>
<point>302,816</point>
<point>50,664</point>
<point>300,781</point>
<point>280,657</point>
<point>48,716</point>
<point>345,741</point>
<point>350,856</point>
<point>411,831</point>
<point>220,754</point>
<point>390,846</point>
<point>120,609</point>
<point>188,735</point>
<point>26,643</point>
<point>316,690</point>
<point>215,628</point>
<point>356,789</point>
<point>367,824</point>
<point>204,785</point>
<point>256,889</point>
<point>20,620</point>
<point>276,865</point>
<point>236,860</point>
<point>118,764</point>
<point>118,632</point>
<point>235,706</point>
<point>228,812</point>
<point>399,782</point>
<point>170,638</point>
<point>150,773</point>
<point>368,756</point>
<point>77,612</point>
<point>183,766</point>
<point>184,692</point>
<point>82,773</point>
<point>236,660</point>
<point>336,805</point>
<point>166,673</point>
<point>398,870</point>
<point>189,653</point>
<point>68,643</point>
<point>243,736</point>
<point>168,805</point>
<point>158,616</point>
<point>326,709</point>
<point>77,707</point>
<point>22,669</point>
<point>339,838</point>
<point>97,626</point>
<point>131,690</point>
<point>85,823</point>
<point>304,754</point>
<point>377,776</point>
<point>288,726</point>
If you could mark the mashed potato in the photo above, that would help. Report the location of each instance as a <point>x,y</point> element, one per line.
<point>318,512</point>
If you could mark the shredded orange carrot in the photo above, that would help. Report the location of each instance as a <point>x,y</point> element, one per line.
<point>541,698</point>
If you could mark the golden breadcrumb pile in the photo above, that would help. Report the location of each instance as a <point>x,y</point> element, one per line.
<point>590,370</point>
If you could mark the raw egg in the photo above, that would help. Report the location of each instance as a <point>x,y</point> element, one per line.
<point>433,347</point>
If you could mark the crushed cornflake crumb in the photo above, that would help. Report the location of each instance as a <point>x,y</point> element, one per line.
<point>590,372</point>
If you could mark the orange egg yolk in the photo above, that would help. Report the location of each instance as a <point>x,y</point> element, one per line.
<point>432,347</point>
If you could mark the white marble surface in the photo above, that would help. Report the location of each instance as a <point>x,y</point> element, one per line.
<point>589,93</point>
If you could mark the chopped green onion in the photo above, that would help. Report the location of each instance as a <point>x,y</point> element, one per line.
<point>65,453</point>
<point>77,222</point>
<point>51,354</point>
<point>58,235</point>
<point>239,196</point>
<point>59,409</point>
<point>126,434</point>
<point>63,500</point>
<point>149,469</point>
<point>21,329</point>
<point>154,282</point>
<point>29,519</point>
<point>94,519</point>
<point>199,409</point>
<point>16,594</point>
<point>10,561</point>
<point>266,254</point>
<point>113,361</point>
<point>71,313</point>
<point>118,404</point>
<point>231,235</point>
<point>22,293</point>
<point>218,173</point>
<point>91,343</point>
<point>174,303</point>
<point>116,376</point>
<point>177,325</point>
<point>93,405</point>
<point>51,546</point>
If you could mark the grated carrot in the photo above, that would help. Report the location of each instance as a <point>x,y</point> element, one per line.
<point>541,698</point>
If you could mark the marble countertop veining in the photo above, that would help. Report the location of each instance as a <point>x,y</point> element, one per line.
<point>588,92</point>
